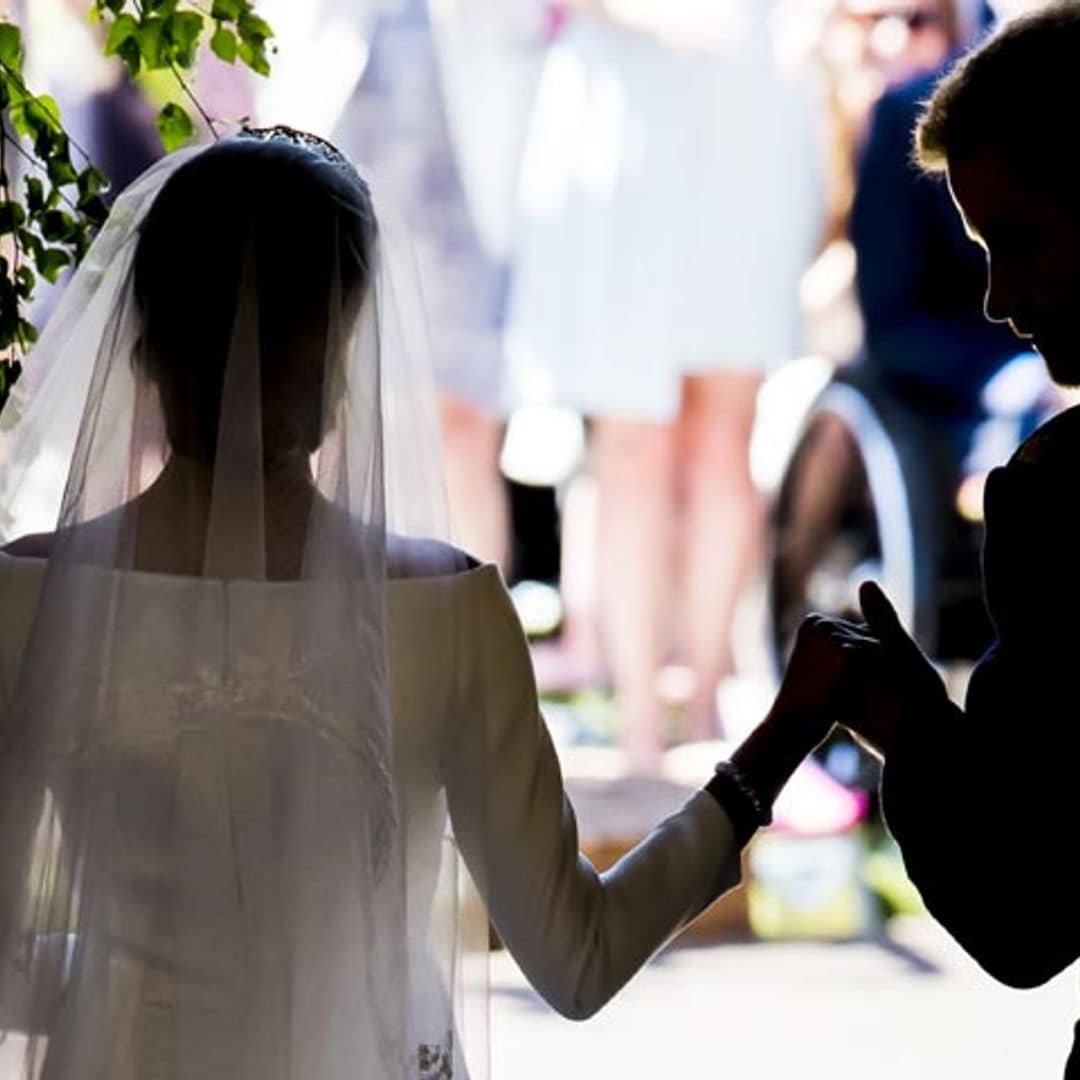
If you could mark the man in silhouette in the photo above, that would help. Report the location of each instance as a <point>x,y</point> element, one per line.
<point>983,801</point>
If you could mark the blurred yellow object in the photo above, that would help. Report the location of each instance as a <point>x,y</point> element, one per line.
<point>969,497</point>
<point>885,875</point>
<point>809,887</point>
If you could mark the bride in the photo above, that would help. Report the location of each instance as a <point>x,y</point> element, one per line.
<point>251,706</point>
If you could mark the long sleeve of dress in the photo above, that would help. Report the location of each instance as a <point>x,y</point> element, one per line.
<point>983,802</point>
<point>579,935</point>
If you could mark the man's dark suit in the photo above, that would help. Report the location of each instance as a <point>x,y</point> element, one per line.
<point>984,802</point>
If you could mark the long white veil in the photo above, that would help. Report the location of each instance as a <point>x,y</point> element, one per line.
<point>227,433</point>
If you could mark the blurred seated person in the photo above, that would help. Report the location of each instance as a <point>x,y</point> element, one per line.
<point>919,279</point>
<point>927,352</point>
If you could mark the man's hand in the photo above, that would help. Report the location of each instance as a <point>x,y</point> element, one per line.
<point>916,672</point>
<point>888,674</point>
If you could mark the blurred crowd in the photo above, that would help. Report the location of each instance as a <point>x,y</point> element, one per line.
<point>628,216</point>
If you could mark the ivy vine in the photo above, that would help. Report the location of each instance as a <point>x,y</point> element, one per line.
<point>47,224</point>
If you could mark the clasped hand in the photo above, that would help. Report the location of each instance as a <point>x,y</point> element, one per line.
<point>865,676</point>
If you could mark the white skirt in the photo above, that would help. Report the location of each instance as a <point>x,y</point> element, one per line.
<point>670,202</point>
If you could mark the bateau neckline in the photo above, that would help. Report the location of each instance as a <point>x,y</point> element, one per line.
<point>480,570</point>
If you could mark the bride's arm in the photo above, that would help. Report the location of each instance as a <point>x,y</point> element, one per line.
<point>579,935</point>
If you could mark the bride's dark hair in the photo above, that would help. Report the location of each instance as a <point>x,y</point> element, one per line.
<point>284,215</point>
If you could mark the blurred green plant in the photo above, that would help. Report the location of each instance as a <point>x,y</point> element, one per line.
<point>48,218</point>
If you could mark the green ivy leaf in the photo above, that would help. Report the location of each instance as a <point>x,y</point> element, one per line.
<point>9,375</point>
<point>254,55</point>
<point>94,210</point>
<point>35,195</point>
<point>27,331</point>
<point>253,28</point>
<point>131,54</point>
<point>17,115</point>
<point>48,142</point>
<point>47,234</point>
<point>149,38</point>
<point>38,118</point>
<point>25,282</point>
<point>12,217</point>
<point>123,29</point>
<point>51,263</point>
<point>183,31</point>
<point>223,44</point>
<point>175,127</point>
<point>92,182</point>
<point>10,46</point>
<point>59,168</point>
<point>56,226</point>
<point>31,243</point>
<point>227,10</point>
<point>45,111</point>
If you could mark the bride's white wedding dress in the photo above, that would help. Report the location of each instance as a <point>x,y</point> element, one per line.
<point>249,722</point>
<point>471,753</point>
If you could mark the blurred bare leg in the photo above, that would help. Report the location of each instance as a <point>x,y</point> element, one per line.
<point>723,527</point>
<point>575,661</point>
<point>633,467</point>
<point>479,512</point>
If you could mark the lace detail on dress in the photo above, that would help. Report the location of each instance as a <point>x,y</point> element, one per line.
<point>149,711</point>
<point>286,697</point>
<point>435,1061</point>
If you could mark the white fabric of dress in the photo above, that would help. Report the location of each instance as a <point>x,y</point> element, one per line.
<point>471,754</point>
<point>670,201</point>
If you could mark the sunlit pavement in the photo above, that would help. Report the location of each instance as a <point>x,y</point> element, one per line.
<point>913,1006</point>
<point>910,1006</point>
<point>912,1009</point>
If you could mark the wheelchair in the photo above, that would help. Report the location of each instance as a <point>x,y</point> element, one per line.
<point>878,485</point>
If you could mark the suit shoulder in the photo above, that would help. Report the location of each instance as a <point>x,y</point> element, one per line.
<point>1054,446</point>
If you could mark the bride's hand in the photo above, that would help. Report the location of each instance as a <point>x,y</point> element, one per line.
<point>814,679</point>
<point>806,706</point>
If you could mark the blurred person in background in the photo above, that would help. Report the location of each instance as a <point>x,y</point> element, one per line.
<point>103,109</point>
<point>414,121</point>
<point>110,115</point>
<point>919,279</point>
<point>918,282</point>
<point>669,205</point>
<point>866,48</point>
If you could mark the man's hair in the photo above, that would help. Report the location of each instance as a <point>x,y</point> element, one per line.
<point>1014,94</point>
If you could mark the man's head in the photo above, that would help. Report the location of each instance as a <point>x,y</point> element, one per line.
<point>1000,126</point>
